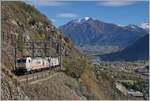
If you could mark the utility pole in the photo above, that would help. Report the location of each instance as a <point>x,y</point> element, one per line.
<point>45,46</point>
<point>15,51</point>
<point>32,49</point>
<point>60,55</point>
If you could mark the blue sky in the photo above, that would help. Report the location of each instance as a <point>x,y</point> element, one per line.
<point>119,12</point>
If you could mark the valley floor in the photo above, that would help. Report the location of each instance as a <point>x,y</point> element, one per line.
<point>131,77</point>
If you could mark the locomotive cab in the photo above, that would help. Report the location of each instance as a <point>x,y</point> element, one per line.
<point>22,64</point>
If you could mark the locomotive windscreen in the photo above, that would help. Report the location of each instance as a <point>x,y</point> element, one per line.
<point>21,61</point>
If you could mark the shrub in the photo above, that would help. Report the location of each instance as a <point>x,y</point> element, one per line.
<point>67,39</point>
<point>75,67</point>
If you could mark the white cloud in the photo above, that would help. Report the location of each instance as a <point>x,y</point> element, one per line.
<point>46,2</point>
<point>67,15</point>
<point>53,20</point>
<point>117,3</point>
<point>31,2</point>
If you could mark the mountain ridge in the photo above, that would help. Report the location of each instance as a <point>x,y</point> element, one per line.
<point>137,51</point>
<point>94,32</point>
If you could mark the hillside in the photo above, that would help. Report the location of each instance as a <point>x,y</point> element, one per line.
<point>95,36</point>
<point>137,51</point>
<point>77,80</point>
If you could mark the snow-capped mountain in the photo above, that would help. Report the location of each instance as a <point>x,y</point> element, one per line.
<point>81,20</point>
<point>134,28</point>
<point>89,31</point>
<point>145,26</point>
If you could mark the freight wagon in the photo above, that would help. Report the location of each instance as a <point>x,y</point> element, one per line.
<point>29,64</point>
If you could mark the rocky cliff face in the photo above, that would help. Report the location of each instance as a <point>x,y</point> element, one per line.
<point>23,22</point>
<point>10,88</point>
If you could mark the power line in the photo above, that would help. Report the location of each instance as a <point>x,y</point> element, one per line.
<point>33,45</point>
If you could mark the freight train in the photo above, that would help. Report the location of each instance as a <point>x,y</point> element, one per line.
<point>28,64</point>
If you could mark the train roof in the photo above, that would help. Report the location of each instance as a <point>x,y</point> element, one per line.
<point>23,58</point>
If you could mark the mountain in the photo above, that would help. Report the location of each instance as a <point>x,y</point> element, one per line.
<point>77,80</point>
<point>137,51</point>
<point>88,33</point>
<point>145,25</point>
<point>134,28</point>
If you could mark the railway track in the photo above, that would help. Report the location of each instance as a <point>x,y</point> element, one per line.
<point>36,76</point>
<point>44,79</point>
